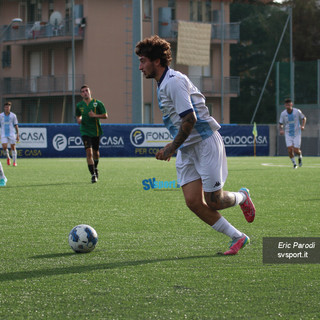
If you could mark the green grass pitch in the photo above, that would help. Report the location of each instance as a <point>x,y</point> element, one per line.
<point>154,259</point>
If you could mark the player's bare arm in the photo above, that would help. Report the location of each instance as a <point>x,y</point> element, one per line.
<point>187,124</point>
<point>281,129</point>
<point>17,133</point>
<point>100,116</point>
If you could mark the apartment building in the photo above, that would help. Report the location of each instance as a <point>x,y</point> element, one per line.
<point>47,54</point>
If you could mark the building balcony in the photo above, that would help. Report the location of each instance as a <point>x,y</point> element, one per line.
<point>230,32</point>
<point>38,32</point>
<point>212,87</point>
<point>39,86</point>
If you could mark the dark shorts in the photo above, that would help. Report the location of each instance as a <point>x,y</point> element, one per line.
<point>91,142</point>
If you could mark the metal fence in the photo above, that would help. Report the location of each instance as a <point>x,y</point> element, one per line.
<point>231,31</point>
<point>39,29</point>
<point>39,84</point>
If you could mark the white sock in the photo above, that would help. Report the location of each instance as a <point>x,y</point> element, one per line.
<point>293,160</point>
<point>223,226</point>
<point>8,154</point>
<point>14,156</point>
<point>240,197</point>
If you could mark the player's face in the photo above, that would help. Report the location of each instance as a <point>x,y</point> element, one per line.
<point>288,106</point>
<point>147,67</point>
<point>85,93</point>
<point>7,109</point>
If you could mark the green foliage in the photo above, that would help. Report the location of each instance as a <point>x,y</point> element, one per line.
<point>260,31</point>
<point>306,24</point>
<point>154,259</point>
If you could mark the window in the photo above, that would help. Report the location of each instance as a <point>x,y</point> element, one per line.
<point>6,57</point>
<point>200,11</point>
<point>34,10</point>
<point>147,7</point>
<point>51,7</point>
<point>68,9</point>
<point>51,62</point>
<point>172,5</point>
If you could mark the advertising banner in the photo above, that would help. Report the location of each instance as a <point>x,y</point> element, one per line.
<point>126,140</point>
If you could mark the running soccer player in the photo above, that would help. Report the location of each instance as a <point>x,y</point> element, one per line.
<point>201,159</point>
<point>291,122</point>
<point>9,133</point>
<point>88,113</point>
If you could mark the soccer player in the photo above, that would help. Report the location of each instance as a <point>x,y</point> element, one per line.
<point>3,179</point>
<point>9,132</point>
<point>201,159</point>
<point>88,113</point>
<point>291,122</point>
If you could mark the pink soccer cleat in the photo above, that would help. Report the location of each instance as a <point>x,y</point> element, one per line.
<point>237,244</point>
<point>247,207</point>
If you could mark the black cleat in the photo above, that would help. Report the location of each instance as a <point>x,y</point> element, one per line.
<point>295,166</point>
<point>94,178</point>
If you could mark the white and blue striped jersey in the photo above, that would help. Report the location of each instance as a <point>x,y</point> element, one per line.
<point>177,96</point>
<point>292,121</point>
<point>8,123</point>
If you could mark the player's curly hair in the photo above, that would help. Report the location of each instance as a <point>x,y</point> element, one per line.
<point>155,48</point>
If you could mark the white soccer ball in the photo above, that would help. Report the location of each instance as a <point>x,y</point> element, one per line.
<point>83,238</point>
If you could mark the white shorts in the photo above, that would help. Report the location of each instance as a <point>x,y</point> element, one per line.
<point>9,140</point>
<point>293,141</point>
<point>205,160</point>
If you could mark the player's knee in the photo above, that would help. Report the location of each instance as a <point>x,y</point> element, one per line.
<point>193,203</point>
<point>215,200</point>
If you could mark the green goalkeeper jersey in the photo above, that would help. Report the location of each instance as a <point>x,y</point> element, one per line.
<point>90,126</point>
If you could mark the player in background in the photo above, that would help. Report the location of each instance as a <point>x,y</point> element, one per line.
<point>3,179</point>
<point>201,159</point>
<point>88,113</point>
<point>291,122</point>
<point>9,133</point>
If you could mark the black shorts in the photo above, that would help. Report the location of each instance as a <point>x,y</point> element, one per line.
<point>91,142</point>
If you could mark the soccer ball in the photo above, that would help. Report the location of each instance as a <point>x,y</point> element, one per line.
<point>83,238</point>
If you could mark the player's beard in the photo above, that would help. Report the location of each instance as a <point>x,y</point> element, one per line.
<point>151,75</point>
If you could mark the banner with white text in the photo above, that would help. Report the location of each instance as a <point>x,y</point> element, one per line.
<point>126,140</point>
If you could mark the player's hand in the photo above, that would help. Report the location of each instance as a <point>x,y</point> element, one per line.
<point>165,153</point>
<point>18,139</point>
<point>91,114</point>
<point>281,132</point>
<point>302,127</point>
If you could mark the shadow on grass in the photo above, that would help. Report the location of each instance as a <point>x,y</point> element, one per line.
<point>21,275</point>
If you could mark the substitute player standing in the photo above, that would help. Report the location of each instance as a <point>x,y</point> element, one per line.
<point>291,122</point>
<point>201,159</point>
<point>9,133</point>
<point>88,113</point>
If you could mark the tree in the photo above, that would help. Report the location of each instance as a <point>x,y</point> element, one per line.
<point>306,24</point>
<point>260,30</point>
